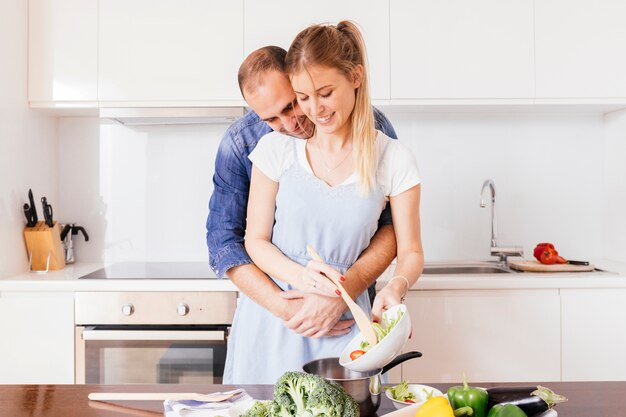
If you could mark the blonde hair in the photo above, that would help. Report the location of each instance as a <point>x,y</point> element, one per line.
<point>342,47</point>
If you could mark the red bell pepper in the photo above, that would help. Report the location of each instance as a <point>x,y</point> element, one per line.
<point>547,254</point>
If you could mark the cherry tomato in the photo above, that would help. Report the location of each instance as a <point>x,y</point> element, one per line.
<point>410,401</point>
<point>356,353</point>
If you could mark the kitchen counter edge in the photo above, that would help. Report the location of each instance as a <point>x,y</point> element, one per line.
<point>66,280</point>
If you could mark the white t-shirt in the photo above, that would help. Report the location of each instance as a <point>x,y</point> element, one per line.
<point>397,169</point>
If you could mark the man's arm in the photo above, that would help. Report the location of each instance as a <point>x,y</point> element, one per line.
<point>226,225</point>
<point>373,261</point>
<point>262,290</point>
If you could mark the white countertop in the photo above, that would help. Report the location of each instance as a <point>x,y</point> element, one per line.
<point>66,280</point>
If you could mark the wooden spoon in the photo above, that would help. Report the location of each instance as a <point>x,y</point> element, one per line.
<point>160,396</point>
<point>362,321</point>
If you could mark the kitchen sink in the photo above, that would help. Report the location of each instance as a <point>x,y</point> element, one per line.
<point>466,268</point>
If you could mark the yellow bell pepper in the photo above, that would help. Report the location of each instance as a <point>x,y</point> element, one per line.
<point>435,407</point>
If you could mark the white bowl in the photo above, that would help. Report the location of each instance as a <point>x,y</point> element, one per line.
<point>418,391</point>
<point>383,352</point>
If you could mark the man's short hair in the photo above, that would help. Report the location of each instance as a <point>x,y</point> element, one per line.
<point>257,63</point>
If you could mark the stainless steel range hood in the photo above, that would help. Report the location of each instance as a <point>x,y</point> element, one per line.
<point>150,116</point>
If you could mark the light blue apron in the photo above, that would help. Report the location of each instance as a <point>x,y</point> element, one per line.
<point>339,223</point>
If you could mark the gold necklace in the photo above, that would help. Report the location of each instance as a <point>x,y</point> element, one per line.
<point>329,169</point>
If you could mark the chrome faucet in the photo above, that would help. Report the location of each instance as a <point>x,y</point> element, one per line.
<point>495,250</point>
<point>492,187</point>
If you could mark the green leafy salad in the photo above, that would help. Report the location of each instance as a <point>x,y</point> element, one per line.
<point>383,329</point>
<point>401,392</point>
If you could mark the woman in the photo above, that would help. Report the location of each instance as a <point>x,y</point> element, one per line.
<point>329,192</point>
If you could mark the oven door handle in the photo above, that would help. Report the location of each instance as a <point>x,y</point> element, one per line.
<point>173,335</point>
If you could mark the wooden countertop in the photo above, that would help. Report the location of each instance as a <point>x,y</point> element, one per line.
<point>586,399</point>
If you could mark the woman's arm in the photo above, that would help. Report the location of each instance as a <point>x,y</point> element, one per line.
<point>406,221</point>
<point>258,242</point>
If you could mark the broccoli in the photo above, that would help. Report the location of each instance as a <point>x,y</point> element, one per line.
<point>330,399</point>
<point>258,409</point>
<point>297,394</point>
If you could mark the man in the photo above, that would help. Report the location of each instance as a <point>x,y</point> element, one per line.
<point>268,92</point>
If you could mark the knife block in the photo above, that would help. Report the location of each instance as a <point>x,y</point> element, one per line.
<point>42,242</point>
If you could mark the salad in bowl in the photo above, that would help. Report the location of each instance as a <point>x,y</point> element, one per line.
<point>392,333</point>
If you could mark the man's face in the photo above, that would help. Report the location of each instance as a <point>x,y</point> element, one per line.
<point>275,102</point>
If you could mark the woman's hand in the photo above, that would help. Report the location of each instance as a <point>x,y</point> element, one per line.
<point>388,297</point>
<point>314,279</point>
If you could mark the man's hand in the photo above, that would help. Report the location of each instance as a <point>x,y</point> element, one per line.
<point>318,315</point>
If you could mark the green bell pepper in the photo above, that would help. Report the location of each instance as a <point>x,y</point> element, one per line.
<point>506,410</point>
<point>468,401</point>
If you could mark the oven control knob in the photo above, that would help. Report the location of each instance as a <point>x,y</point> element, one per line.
<point>182,309</point>
<point>128,309</point>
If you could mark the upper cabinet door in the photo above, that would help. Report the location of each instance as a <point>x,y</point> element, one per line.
<point>62,51</point>
<point>456,49</point>
<point>170,50</point>
<point>277,22</point>
<point>580,48</point>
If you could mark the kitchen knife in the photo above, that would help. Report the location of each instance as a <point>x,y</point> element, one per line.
<point>29,219</point>
<point>30,211</point>
<point>585,263</point>
<point>47,211</point>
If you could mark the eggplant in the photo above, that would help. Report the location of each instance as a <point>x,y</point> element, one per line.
<point>533,400</point>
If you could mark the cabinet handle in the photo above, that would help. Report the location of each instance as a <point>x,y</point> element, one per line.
<point>166,335</point>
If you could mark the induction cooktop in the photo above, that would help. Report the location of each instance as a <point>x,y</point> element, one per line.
<point>154,270</point>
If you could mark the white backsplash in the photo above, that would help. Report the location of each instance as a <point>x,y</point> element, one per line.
<point>142,192</point>
<point>28,141</point>
<point>614,232</point>
<point>548,174</point>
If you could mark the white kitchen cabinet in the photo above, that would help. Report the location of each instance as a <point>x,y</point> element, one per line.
<point>37,344</point>
<point>277,22</point>
<point>580,49</point>
<point>593,334</point>
<point>169,51</point>
<point>455,49</point>
<point>62,51</point>
<point>491,335</point>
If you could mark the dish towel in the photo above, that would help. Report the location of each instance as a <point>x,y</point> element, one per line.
<point>233,407</point>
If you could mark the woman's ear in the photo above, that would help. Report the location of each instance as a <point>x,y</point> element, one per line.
<point>357,75</point>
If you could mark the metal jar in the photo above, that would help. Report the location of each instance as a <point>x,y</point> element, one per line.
<point>364,387</point>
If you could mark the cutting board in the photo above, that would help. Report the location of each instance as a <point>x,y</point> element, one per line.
<point>535,266</point>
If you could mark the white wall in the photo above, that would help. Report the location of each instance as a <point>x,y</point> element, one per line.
<point>28,141</point>
<point>142,192</point>
<point>615,171</point>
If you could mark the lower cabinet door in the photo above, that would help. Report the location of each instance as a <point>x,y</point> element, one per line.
<point>594,340</point>
<point>37,345</point>
<point>491,335</point>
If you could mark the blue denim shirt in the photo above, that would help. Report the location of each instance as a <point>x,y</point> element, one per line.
<point>226,223</point>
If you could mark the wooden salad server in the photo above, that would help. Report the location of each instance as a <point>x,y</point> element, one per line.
<point>160,396</point>
<point>362,321</point>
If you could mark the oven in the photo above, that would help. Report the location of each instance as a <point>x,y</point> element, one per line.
<point>152,337</point>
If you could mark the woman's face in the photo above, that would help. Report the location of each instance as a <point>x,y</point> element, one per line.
<point>326,96</point>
